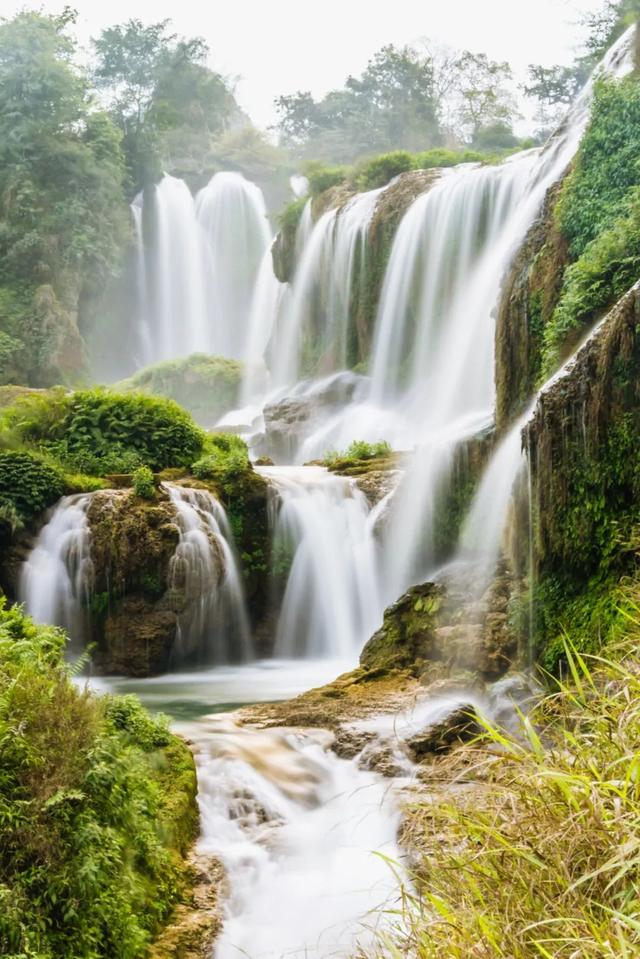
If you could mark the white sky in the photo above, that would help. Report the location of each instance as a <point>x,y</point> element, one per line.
<point>280,46</point>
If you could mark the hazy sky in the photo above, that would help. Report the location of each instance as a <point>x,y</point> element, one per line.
<point>280,46</point>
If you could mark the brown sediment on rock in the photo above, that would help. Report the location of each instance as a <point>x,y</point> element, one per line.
<point>197,921</point>
<point>530,294</point>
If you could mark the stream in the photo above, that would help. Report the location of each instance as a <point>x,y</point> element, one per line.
<point>307,839</point>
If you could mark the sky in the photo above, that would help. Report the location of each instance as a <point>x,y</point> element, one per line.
<point>276,47</point>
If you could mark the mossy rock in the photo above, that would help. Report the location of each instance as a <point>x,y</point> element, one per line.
<point>408,632</point>
<point>206,386</point>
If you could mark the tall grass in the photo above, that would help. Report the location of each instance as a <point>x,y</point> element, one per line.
<point>541,857</point>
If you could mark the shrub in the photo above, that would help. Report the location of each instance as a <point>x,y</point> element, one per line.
<point>226,456</point>
<point>321,178</point>
<point>143,483</point>
<point>28,485</point>
<point>96,431</point>
<point>358,450</point>
<point>89,788</point>
<point>382,169</point>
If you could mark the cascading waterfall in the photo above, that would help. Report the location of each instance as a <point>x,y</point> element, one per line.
<point>265,309</point>
<point>198,268</point>
<point>329,274</point>
<point>233,216</point>
<point>57,577</point>
<point>332,601</point>
<point>214,626</point>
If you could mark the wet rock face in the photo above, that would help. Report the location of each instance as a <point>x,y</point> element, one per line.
<point>134,612</point>
<point>584,451</point>
<point>291,419</point>
<point>530,294</point>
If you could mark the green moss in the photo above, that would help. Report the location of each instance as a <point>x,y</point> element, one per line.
<point>407,633</point>
<point>382,169</point>
<point>206,386</point>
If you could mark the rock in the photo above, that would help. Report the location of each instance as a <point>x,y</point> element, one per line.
<point>460,725</point>
<point>290,420</point>
<point>408,632</point>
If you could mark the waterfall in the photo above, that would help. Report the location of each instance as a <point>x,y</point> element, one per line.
<point>57,577</point>
<point>197,269</point>
<point>144,343</point>
<point>265,309</point>
<point>213,626</point>
<point>328,278</point>
<point>178,300</point>
<point>332,601</point>
<point>233,217</point>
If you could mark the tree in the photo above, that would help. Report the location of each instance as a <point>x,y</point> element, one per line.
<point>392,105</point>
<point>482,95</point>
<point>162,94</point>
<point>555,88</point>
<point>63,219</point>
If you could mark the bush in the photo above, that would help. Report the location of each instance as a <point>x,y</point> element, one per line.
<point>226,456</point>
<point>607,268</point>
<point>322,178</point>
<point>206,386</point>
<point>359,450</point>
<point>99,432</point>
<point>382,169</point>
<point>599,214</point>
<point>28,485</point>
<point>143,483</point>
<point>87,865</point>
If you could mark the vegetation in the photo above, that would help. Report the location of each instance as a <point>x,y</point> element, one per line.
<point>206,386</point>
<point>226,456</point>
<point>143,483</point>
<point>28,485</point>
<point>599,214</point>
<point>57,251</point>
<point>539,856</point>
<point>358,450</point>
<point>97,806</point>
<point>406,99</point>
<point>98,432</point>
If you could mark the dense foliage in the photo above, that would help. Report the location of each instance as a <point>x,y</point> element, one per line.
<point>63,216</point>
<point>28,485</point>
<point>599,214</point>
<point>98,432</point>
<point>90,841</point>
<point>167,102</point>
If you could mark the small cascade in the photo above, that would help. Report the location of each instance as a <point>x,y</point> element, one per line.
<point>303,835</point>
<point>56,579</point>
<point>213,627</point>
<point>233,217</point>
<point>197,265</point>
<point>332,602</point>
<point>327,281</point>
